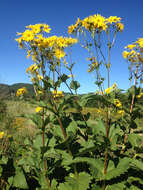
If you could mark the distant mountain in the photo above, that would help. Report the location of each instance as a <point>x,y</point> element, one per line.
<point>7,90</point>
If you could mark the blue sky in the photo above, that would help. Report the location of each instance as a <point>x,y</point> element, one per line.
<point>15,15</point>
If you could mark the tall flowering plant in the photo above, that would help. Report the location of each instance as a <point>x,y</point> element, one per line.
<point>71,150</point>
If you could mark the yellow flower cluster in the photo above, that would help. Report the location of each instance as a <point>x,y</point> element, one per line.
<point>135,50</point>
<point>34,36</point>
<point>96,22</point>
<point>57,94</point>
<point>1,135</point>
<point>21,91</point>
<point>30,34</point>
<point>117,103</point>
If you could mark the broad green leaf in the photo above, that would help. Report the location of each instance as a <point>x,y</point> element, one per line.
<point>118,186</point>
<point>19,180</point>
<point>53,185</point>
<point>134,139</point>
<point>83,180</point>
<point>137,164</point>
<point>121,168</point>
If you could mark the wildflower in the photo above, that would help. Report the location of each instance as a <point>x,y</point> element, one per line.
<point>113,19</point>
<point>38,109</point>
<point>130,46</point>
<point>39,77</point>
<point>117,103</point>
<point>108,90</point>
<point>1,134</point>
<point>140,42</point>
<point>57,94</point>
<point>125,54</point>
<point>140,95</point>
<point>120,26</point>
<point>59,53</point>
<point>121,112</point>
<point>32,68</point>
<point>21,91</point>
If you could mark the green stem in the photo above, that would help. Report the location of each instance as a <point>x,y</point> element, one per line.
<point>43,143</point>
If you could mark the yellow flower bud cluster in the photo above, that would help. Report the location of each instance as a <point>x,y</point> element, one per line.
<point>96,23</point>
<point>21,91</point>
<point>57,94</point>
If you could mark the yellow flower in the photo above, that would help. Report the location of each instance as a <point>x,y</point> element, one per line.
<point>57,94</point>
<point>32,68</point>
<point>130,46</point>
<point>113,19</point>
<point>121,112</point>
<point>28,54</point>
<point>117,103</point>
<point>38,109</point>
<point>140,95</point>
<point>108,90</point>
<point>21,91</point>
<point>140,42</point>
<point>39,92</point>
<point>1,134</point>
<point>46,28</point>
<point>39,77</point>
<point>59,53</point>
<point>71,29</point>
<point>120,27</point>
<point>125,54</point>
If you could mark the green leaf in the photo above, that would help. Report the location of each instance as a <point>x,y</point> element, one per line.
<point>72,128</point>
<point>137,164</point>
<point>4,160</point>
<point>95,163</point>
<point>134,139</point>
<point>10,180</point>
<point>118,186</point>
<point>37,143</point>
<point>64,78</point>
<point>19,180</point>
<point>42,181</point>
<point>74,85</point>
<point>83,180</point>
<point>81,183</point>
<point>99,128</point>
<point>121,168</point>
<point>53,185</point>
<point>36,119</point>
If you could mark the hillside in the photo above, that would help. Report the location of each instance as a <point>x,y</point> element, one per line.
<point>7,90</point>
